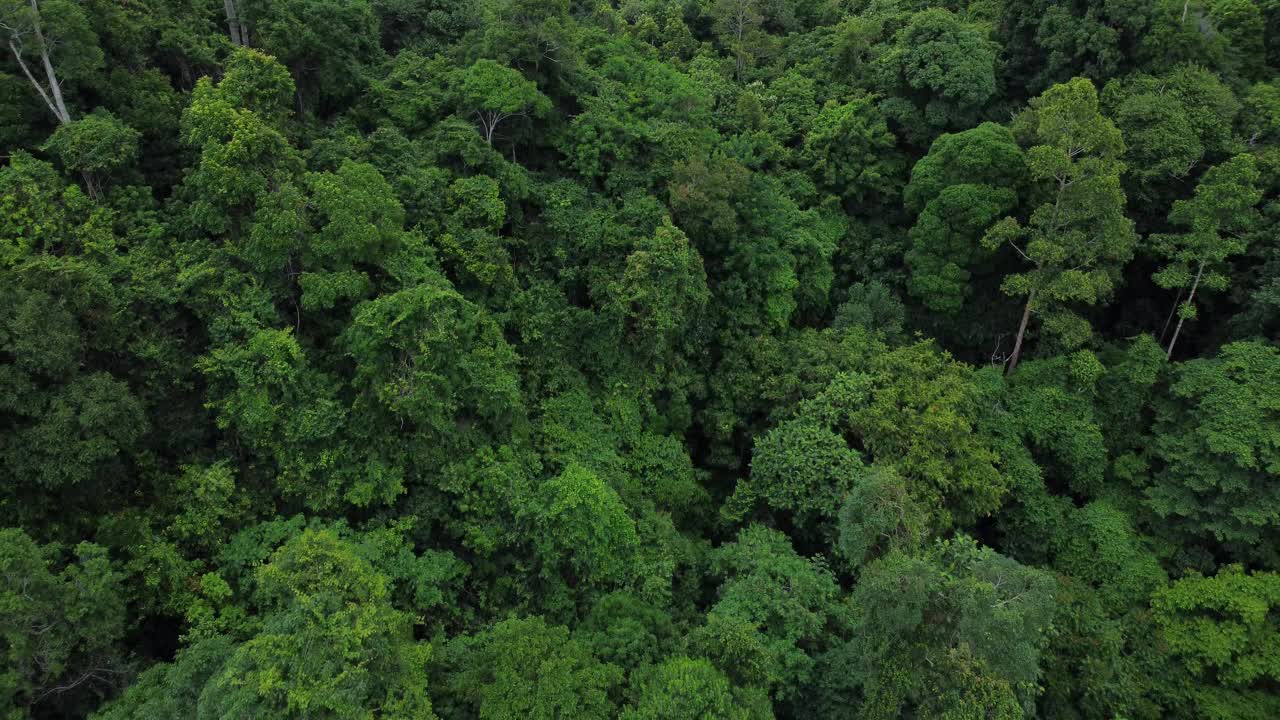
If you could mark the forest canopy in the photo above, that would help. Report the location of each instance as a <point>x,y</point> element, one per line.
<point>640,359</point>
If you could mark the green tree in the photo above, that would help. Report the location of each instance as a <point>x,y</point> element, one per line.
<point>662,292</point>
<point>414,91</point>
<point>61,620</point>
<point>879,516</point>
<point>495,93</point>
<point>1171,123</point>
<point>1260,114</point>
<point>524,668</point>
<point>250,380</point>
<point>328,46</point>
<point>171,689</point>
<point>773,607</point>
<point>987,155</point>
<point>1077,241</point>
<point>918,410</point>
<point>849,150</point>
<point>1224,631</point>
<point>69,423</point>
<point>437,23</point>
<point>48,38</point>
<point>801,466</point>
<point>326,642</point>
<point>244,155</point>
<point>1049,42</point>
<point>957,632</point>
<point>1214,440</point>
<point>410,363</point>
<point>1222,209</point>
<point>944,66</point>
<point>693,689</point>
<point>958,189</point>
<point>584,520</point>
<point>738,22</point>
<point>945,243</point>
<point>330,642</point>
<point>97,143</point>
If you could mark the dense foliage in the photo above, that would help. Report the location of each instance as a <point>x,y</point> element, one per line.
<point>640,359</point>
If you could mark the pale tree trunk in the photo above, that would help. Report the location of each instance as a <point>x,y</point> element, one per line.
<point>1022,330</point>
<point>740,28</point>
<point>17,54</point>
<point>744,22</point>
<point>239,33</point>
<point>1185,5</point>
<point>1190,298</point>
<point>1031,297</point>
<point>52,95</point>
<point>489,122</point>
<point>1164,331</point>
<point>55,88</point>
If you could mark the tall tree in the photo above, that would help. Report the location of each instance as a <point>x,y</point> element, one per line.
<point>737,22</point>
<point>495,93</point>
<point>1075,242</point>
<point>1221,210</point>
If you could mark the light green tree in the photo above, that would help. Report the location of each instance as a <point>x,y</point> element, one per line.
<point>1224,631</point>
<point>682,688</point>
<point>1216,439</point>
<point>495,93</point>
<point>326,642</point>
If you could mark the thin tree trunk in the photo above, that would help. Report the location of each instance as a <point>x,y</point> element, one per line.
<point>1190,298</point>
<point>1185,4</point>
<point>1172,311</point>
<point>90,184</point>
<point>1022,330</point>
